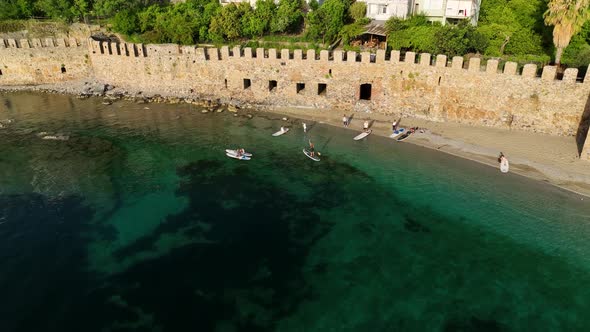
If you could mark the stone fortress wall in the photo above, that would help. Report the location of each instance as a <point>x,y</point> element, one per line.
<point>417,85</point>
<point>36,61</point>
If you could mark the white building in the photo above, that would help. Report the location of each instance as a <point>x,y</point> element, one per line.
<point>382,10</point>
<point>435,10</point>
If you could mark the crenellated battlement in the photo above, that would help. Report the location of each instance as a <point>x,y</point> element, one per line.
<point>381,57</point>
<point>41,43</point>
<point>432,87</point>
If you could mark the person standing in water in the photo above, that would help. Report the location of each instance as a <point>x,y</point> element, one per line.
<point>304,127</point>
<point>345,120</point>
<point>366,126</point>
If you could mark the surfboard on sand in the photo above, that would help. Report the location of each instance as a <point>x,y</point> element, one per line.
<point>362,135</point>
<point>280,132</point>
<point>504,165</point>
<point>398,132</point>
<point>307,153</point>
<point>247,154</point>
<point>235,156</point>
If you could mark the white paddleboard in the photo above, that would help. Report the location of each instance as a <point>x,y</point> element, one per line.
<point>398,132</point>
<point>235,156</point>
<point>362,135</point>
<point>404,136</point>
<point>504,166</point>
<point>280,132</point>
<point>247,154</point>
<point>307,153</point>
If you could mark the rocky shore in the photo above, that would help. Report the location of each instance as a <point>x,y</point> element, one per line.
<point>553,159</point>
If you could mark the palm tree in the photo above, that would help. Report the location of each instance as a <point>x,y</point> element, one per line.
<point>567,18</point>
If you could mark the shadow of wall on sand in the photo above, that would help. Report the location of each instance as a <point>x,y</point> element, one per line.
<point>582,132</point>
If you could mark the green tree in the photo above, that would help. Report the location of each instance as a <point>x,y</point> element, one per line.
<point>257,22</point>
<point>125,22</point>
<point>57,9</point>
<point>81,8</point>
<point>327,21</point>
<point>358,10</point>
<point>227,25</point>
<point>288,16</point>
<point>567,18</point>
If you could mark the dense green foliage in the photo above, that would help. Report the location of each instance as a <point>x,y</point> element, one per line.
<point>510,29</point>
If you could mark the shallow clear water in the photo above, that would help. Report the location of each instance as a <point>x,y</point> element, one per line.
<point>140,222</point>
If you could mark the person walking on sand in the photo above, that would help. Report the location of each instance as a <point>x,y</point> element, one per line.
<point>366,126</point>
<point>345,120</point>
<point>394,126</point>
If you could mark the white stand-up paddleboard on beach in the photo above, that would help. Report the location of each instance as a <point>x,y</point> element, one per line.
<point>280,132</point>
<point>235,156</point>
<point>362,135</point>
<point>398,132</point>
<point>247,154</point>
<point>307,153</point>
<point>504,165</point>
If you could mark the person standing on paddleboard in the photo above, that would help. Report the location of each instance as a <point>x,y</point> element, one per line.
<point>311,149</point>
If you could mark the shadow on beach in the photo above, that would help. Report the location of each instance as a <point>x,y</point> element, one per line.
<point>582,132</point>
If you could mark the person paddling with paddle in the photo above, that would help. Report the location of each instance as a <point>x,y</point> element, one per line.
<point>311,149</point>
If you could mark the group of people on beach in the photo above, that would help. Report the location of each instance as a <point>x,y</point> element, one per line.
<point>366,125</point>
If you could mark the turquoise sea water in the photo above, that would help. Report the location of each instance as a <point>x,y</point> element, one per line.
<point>139,222</point>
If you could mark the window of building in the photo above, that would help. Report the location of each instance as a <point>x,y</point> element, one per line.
<point>322,89</point>
<point>365,93</point>
<point>63,69</point>
<point>272,85</point>
<point>247,83</point>
<point>300,87</point>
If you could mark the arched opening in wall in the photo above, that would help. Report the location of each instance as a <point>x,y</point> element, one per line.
<point>272,85</point>
<point>247,83</point>
<point>300,87</point>
<point>322,87</point>
<point>365,93</point>
<point>225,83</point>
<point>63,69</point>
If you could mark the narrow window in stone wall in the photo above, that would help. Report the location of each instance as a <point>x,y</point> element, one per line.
<point>365,93</point>
<point>322,89</point>
<point>226,83</point>
<point>439,78</point>
<point>272,85</point>
<point>63,69</point>
<point>247,83</point>
<point>300,87</point>
<point>0,72</point>
<point>330,72</point>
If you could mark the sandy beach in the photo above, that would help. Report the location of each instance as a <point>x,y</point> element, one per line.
<point>553,159</point>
